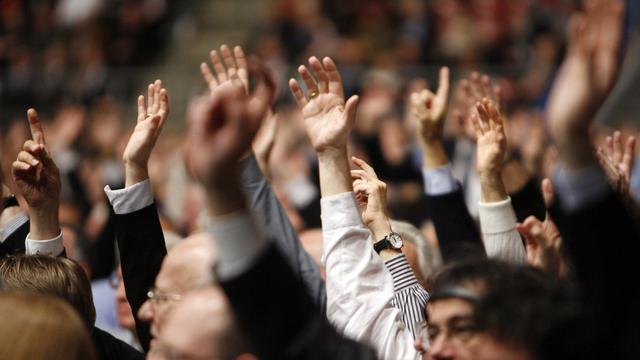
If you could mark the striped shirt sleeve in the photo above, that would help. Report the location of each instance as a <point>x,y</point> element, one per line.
<point>409,296</point>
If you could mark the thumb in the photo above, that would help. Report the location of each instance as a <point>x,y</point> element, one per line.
<point>350,109</point>
<point>547,192</point>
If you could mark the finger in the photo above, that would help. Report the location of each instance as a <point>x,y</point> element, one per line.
<point>617,147</point>
<point>19,167</point>
<point>335,81</point>
<point>360,174</point>
<point>208,76</point>
<point>484,115</point>
<point>157,85</point>
<point>364,166</point>
<point>33,147</point>
<point>149,99</point>
<point>350,109</point>
<point>476,86</point>
<point>142,113</point>
<point>26,157</point>
<point>164,106</point>
<point>443,84</point>
<point>221,73</point>
<point>37,133</point>
<point>298,95</point>
<point>485,82</point>
<point>243,67</point>
<point>321,74</point>
<point>229,61</point>
<point>629,154</point>
<point>608,141</point>
<point>476,125</point>
<point>308,80</point>
<point>497,94</point>
<point>547,192</point>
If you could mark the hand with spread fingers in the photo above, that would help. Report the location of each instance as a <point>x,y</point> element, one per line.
<point>430,109</point>
<point>491,147</point>
<point>151,119</point>
<point>585,79</point>
<point>38,179</point>
<point>618,162</point>
<point>328,119</point>
<point>542,238</point>
<point>470,91</point>
<point>220,130</point>
<point>232,67</point>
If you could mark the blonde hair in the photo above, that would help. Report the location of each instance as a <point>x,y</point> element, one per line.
<point>38,327</point>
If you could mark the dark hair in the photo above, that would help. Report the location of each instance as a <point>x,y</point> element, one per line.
<point>56,276</point>
<point>520,305</point>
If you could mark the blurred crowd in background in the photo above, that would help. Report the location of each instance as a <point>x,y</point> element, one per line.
<point>76,61</point>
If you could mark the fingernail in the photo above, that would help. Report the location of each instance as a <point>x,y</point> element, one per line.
<point>35,162</point>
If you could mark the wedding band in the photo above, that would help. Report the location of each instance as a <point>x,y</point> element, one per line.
<point>149,114</point>
<point>313,94</point>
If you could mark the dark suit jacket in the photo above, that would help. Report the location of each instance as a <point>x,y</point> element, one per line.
<point>603,243</point>
<point>142,249</point>
<point>275,311</point>
<point>458,234</point>
<point>111,348</point>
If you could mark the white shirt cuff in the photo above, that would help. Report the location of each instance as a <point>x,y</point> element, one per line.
<point>130,199</point>
<point>51,247</point>
<point>238,241</point>
<point>439,181</point>
<point>579,188</point>
<point>497,217</point>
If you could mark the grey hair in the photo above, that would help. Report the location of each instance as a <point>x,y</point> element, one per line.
<point>428,258</point>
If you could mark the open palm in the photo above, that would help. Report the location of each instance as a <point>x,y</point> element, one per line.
<point>328,119</point>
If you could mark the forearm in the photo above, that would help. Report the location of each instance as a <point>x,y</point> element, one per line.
<point>334,169</point>
<point>492,187</point>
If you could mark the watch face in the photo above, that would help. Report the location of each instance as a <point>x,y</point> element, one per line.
<point>395,240</point>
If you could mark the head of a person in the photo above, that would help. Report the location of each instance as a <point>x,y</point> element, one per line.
<point>201,326</point>
<point>57,276</point>
<point>38,326</point>
<point>483,309</point>
<point>187,266</point>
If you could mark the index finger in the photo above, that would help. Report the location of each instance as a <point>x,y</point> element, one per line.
<point>37,134</point>
<point>364,166</point>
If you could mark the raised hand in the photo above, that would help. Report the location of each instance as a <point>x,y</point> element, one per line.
<point>220,130</point>
<point>470,91</point>
<point>38,179</point>
<point>618,162</point>
<point>151,119</point>
<point>429,109</point>
<point>235,67</point>
<point>542,239</point>
<point>585,79</point>
<point>328,119</point>
<point>491,147</point>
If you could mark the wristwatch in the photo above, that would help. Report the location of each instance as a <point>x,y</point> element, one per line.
<point>391,241</point>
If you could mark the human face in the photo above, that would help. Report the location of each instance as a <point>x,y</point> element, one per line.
<point>453,334</point>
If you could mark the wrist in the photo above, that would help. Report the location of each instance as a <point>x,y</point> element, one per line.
<point>492,187</point>
<point>225,195</point>
<point>379,228</point>
<point>135,173</point>
<point>433,154</point>
<point>44,223</point>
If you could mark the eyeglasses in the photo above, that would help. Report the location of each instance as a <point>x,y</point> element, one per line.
<point>458,329</point>
<point>159,297</point>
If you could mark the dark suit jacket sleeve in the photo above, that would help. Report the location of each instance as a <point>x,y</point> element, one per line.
<point>458,234</point>
<point>280,319</point>
<point>269,212</point>
<point>529,201</point>
<point>142,249</point>
<point>602,242</point>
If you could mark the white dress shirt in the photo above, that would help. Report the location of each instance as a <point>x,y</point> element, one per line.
<point>359,288</point>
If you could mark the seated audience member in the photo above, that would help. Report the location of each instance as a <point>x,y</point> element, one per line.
<point>39,327</point>
<point>64,278</point>
<point>202,326</point>
<point>491,310</point>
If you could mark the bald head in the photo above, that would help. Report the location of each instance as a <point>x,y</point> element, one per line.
<point>188,264</point>
<point>202,325</point>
